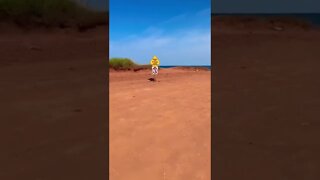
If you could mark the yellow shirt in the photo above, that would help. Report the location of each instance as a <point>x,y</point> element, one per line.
<point>154,63</point>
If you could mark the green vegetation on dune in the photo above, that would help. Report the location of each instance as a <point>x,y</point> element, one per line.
<point>50,13</point>
<point>122,63</point>
<point>126,64</point>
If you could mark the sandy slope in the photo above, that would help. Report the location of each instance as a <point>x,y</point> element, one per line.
<point>266,104</point>
<point>160,130</point>
<point>53,105</point>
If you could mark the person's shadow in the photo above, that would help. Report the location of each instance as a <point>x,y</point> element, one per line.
<point>152,79</point>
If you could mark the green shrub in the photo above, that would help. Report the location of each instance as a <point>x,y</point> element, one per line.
<point>48,13</point>
<point>127,64</point>
<point>122,64</point>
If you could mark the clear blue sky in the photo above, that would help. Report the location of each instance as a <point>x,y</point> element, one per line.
<point>177,31</point>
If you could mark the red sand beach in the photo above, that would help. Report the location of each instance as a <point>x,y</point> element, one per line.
<point>160,130</point>
<point>265,101</point>
<point>53,104</point>
<point>265,108</point>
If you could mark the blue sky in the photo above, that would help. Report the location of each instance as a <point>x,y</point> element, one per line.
<point>177,31</point>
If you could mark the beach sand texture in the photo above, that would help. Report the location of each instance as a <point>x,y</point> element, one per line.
<point>53,104</point>
<point>265,102</point>
<point>265,109</point>
<point>160,130</point>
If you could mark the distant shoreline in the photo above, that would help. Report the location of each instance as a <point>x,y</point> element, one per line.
<point>188,68</point>
<point>208,66</point>
<point>193,68</point>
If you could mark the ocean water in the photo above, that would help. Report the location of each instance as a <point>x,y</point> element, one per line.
<point>313,18</point>
<point>209,67</point>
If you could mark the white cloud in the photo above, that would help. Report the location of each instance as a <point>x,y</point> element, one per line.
<point>204,12</point>
<point>183,46</point>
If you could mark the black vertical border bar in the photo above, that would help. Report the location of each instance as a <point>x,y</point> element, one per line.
<point>107,82</point>
<point>211,86</point>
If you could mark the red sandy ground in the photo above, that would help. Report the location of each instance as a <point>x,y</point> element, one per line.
<point>265,103</point>
<point>53,105</point>
<point>265,109</point>
<point>160,130</point>
<point>54,113</point>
